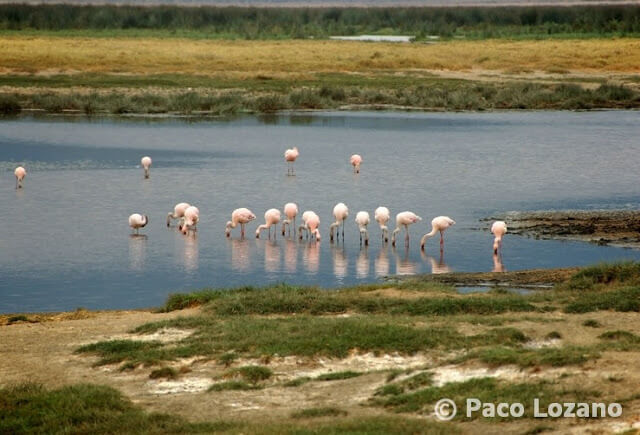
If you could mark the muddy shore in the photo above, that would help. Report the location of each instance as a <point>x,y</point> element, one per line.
<point>604,227</point>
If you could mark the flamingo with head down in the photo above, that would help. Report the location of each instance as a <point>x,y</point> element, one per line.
<point>189,220</point>
<point>404,219</point>
<point>438,224</point>
<point>313,225</point>
<point>498,229</point>
<point>20,173</point>
<point>362,219</point>
<point>146,165</point>
<point>382,216</point>
<point>340,213</point>
<point>178,212</point>
<point>290,157</point>
<point>356,160</point>
<point>290,211</point>
<point>271,218</point>
<point>240,216</point>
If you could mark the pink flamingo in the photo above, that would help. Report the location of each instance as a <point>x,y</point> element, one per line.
<point>146,164</point>
<point>313,224</point>
<point>305,216</point>
<point>404,219</point>
<point>382,216</point>
<point>240,216</point>
<point>340,213</point>
<point>178,212</point>
<point>137,221</point>
<point>271,217</point>
<point>356,160</point>
<point>20,173</point>
<point>290,211</point>
<point>362,219</point>
<point>290,157</point>
<point>498,229</point>
<point>189,220</point>
<point>440,223</point>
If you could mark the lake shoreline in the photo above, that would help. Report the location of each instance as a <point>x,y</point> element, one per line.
<point>159,361</point>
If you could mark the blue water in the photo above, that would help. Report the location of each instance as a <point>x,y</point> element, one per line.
<point>65,242</point>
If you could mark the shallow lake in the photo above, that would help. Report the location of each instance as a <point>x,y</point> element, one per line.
<point>65,242</point>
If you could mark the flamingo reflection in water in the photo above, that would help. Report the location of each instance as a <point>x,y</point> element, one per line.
<point>137,251</point>
<point>437,266</point>
<point>362,263</point>
<point>404,266</point>
<point>311,257</point>
<point>239,255</point>
<point>271,256</point>
<point>381,263</point>
<point>340,261</point>
<point>190,255</point>
<point>290,256</point>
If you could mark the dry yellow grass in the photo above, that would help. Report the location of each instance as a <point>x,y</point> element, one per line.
<point>145,56</point>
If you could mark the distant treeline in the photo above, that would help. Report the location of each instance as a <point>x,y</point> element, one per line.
<point>256,23</point>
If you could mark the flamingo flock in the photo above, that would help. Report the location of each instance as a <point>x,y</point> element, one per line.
<point>188,217</point>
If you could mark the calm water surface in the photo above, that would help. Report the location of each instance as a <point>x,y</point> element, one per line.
<point>65,242</point>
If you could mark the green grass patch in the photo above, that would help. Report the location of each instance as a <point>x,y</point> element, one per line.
<point>484,389</point>
<point>297,381</point>
<point>81,408</point>
<point>233,385</point>
<point>319,412</point>
<point>623,300</point>
<point>115,351</point>
<point>254,374</point>
<point>337,376</point>
<point>548,356</point>
<point>592,323</point>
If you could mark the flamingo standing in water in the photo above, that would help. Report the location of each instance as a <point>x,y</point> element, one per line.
<point>404,219</point>
<point>498,229</point>
<point>240,216</point>
<point>20,173</point>
<point>137,221</point>
<point>362,219</point>
<point>382,216</point>
<point>146,164</point>
<point>290,211</point>
<point>356,160</point>
<point>271,218</point>
<point>440,223</point>
<point>290,157</point>
<point>313,225</point>
<point>305,216</point>
<point>178,212</point>
<point>189,220</point>
<point>340,213</point>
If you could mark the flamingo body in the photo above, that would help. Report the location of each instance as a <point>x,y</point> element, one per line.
<point>137,221</point>
<point>271,217</point>
<point>438,224</point>
<point>313,225</point>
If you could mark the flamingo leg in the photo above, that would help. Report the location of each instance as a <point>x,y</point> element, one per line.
<point>406,237</point>
<point>242,231</point>
<point>441,242</point>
